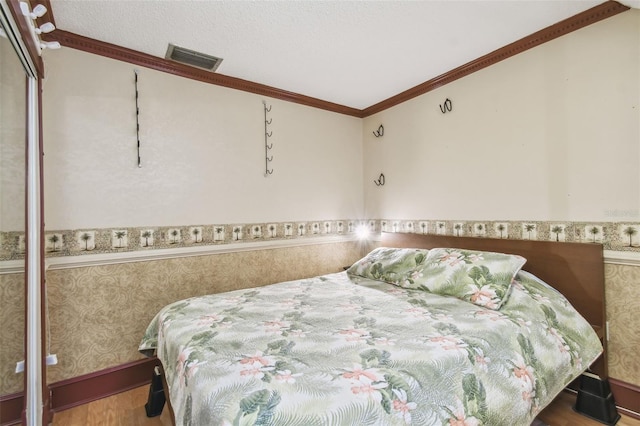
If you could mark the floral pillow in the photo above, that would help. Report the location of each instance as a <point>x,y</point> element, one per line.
<point>392,265</point>
<point>479,277</point>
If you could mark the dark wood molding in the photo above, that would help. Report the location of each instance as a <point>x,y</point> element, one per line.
<point>14,7</point>
<point>581,20</point>
<point>11,409</point>
<point>113,51</point>
<point>588,17</point>
<point>627,397</point>
<point>101,384</point>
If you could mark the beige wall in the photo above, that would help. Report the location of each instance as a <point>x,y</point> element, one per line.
<point>550,134</point>
<point>202,149</point>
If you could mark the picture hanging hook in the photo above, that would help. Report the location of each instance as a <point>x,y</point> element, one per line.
<point>448,106</point>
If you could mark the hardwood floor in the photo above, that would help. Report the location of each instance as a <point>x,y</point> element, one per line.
<point>127,409</point>
<point>123,409</point>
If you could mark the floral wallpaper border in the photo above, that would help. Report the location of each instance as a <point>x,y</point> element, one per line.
<point>619,236</point>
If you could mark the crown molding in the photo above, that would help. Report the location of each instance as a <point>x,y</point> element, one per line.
<point>97,47</point>
<point>595,14</point>
<point>576,22</point>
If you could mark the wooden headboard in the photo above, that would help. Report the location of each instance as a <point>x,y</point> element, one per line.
<point>574,269</point>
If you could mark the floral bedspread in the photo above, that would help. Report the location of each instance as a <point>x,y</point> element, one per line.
<point>341,350</point>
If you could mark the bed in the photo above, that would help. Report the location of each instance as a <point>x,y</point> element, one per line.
<point>426,330</point>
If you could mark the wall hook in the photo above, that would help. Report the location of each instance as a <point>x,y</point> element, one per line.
<point>267,135</point>
<point>135,73</point>
<point>380,181</point>
<point>379,132</point>
<point>447,106</point>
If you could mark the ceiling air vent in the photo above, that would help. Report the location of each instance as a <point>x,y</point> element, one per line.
<point>192,58</point>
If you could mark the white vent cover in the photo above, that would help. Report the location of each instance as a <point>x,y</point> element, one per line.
<point>192,58</point>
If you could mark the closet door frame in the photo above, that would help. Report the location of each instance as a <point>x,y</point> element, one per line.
<point>36,395</point>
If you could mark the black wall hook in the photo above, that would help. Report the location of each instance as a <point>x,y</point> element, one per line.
<point>447,106</point>
<point>380,181</point>
<point>379,132</point>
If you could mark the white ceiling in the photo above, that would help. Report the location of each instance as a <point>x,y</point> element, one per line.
<point>353,53</point>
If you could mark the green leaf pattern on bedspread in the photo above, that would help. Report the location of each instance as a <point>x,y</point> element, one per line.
<point>341,350</point>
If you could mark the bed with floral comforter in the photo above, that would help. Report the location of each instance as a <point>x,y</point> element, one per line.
<point>422,337</point>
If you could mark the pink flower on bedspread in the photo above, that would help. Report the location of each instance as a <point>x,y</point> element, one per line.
<point>528,396</point>
<point>210,319</point>
<point>461,418</point>
<point>481,360</point>
<point>492,315</point>
<point>358,374</point>
<point>524,373</point>
<point>412,277</point>
<point>452,258</point>
<point>371,390</point>
<point>255,371</point>
<point>484,296</point>
<point>182,359</point>
<point>256,366</point>
<point>257,358</point>
<point>276,326</point>
<point>354,334</point>
<point>562,344</point>
<point>297,333</point>
<point>463,421</point>
<point>401,407</point>
<point>365,382</point>
<point>449,342</point>
<point>285,376</point>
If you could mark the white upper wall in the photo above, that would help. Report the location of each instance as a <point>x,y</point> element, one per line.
<point>202,149</point>
<point>549,134</point>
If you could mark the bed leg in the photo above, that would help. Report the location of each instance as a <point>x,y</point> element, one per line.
<point>156,400</point>
<point>595,400</point>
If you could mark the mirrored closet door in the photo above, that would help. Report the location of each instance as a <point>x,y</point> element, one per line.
<point>20,224</point>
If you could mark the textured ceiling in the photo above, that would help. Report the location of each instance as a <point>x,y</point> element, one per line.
<point>353,53</point>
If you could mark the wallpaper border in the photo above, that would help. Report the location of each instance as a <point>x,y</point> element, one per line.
<point>84,247</point>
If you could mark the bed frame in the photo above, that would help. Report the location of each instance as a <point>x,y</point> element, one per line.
<point>574,269</point>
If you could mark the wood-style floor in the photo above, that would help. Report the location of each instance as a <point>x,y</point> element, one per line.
<point>127,409</point>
